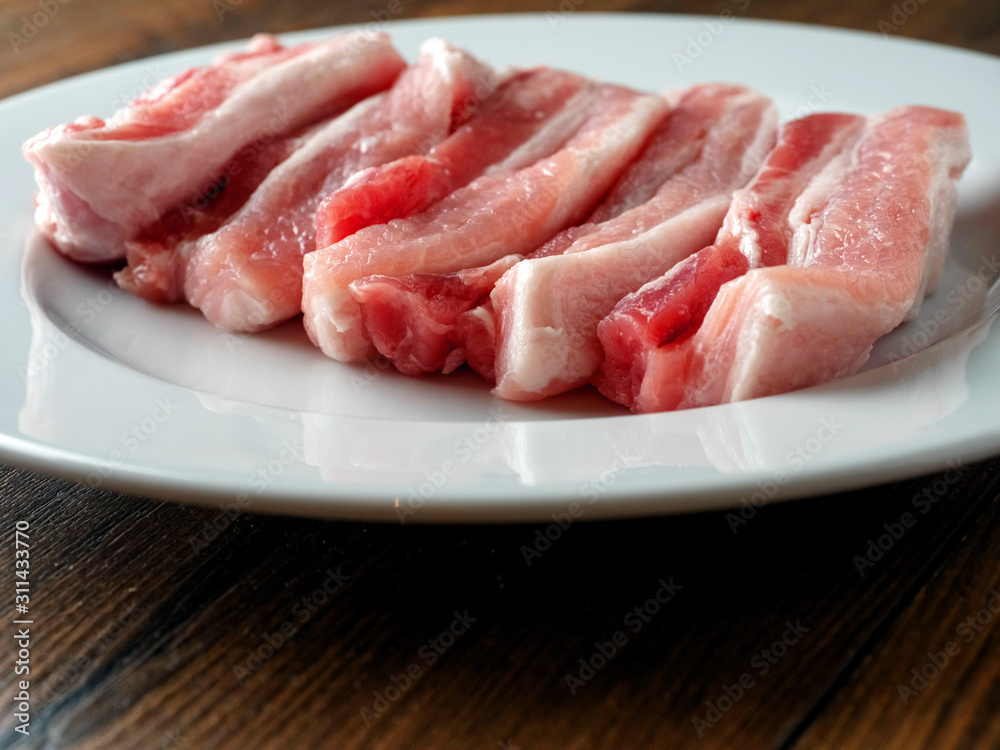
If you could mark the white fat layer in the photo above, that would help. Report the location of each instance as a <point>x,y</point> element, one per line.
<point>273,101</point>
<point>776,307</point>
<point>948,154</point>
<point>334,320</point>
<point>553,134</point>
<point>758,149</point>
<point>580,173</point>
<point>540,344</point>
<point>343,128</point>
<point>445,58</point>
<point>237,308</point>
<point>805,219</point>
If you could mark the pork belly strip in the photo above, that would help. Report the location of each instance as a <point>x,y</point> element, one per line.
<point>101,183</point>
<point>412,320</point>
<point>417,321</point>
<point>756,233</point>
<point>523,109</point>
<point>547,309</point>
<point>247,275</point>
<point>158,260</point>
<point>496,215</point>
<point>871,231</point>
<point>157,257</point>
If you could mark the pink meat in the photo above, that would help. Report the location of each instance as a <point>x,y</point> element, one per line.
<point>756,233</point>
<point>411,319</point>
<point>102,183</point>
<point>548,308</point>
<point>515,113</point>
<point>157,257</point>
<point>869,237</point>
<point>437,324</point>
<point>248,275</point>
<point>499,214</point>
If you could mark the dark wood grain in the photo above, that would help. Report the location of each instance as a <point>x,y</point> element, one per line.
<point>85,35</point>
<point>926,671</point>
<point>190,609</point>
<point>156,624</point>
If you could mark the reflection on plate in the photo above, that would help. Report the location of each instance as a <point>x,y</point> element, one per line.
<point>101,387</point>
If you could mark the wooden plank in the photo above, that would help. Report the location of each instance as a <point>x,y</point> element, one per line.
<point>85,35</point>
<point>931,680</point>
<point>186,668</point>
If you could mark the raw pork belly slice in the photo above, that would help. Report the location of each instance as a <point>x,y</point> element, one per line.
<point>547,309</point>
<point>499,214</point>
<point>411,319</point>
<point>755,233</point>
<point>523,108</point>
<point>248,275</point>
<point>437,329</point>
<point>154,266</point>
<point>870,236</point>
<point>102,183</point>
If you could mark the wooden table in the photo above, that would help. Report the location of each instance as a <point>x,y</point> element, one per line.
<point>152,630</point>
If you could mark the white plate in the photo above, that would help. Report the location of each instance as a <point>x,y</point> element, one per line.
<point>99,386</point>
